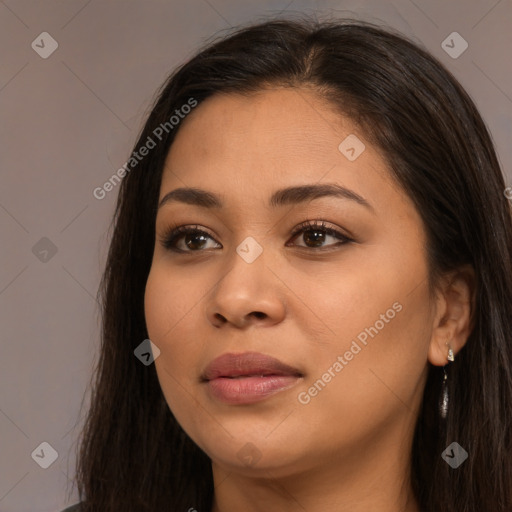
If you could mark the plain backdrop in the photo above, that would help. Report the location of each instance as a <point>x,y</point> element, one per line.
<point>68,122</point>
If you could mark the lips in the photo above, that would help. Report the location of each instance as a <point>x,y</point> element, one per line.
<point>247,378</point>
<point>248,364</point>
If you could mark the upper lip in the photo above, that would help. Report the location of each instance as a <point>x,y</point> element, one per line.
<point>246,364</point>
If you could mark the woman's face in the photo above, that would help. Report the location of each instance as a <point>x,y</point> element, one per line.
<point>350,316</point>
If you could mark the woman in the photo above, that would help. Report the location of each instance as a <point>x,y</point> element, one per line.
<point>315,238</point>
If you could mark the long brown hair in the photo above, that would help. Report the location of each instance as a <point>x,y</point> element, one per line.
<point>134,456</point>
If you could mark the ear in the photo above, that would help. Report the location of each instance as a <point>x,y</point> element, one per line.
<point>453,319</point>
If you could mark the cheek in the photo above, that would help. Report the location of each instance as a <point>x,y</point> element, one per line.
<point>167,311</point>
<point>158,307</point>
<point>379,324</point>
<point>162,306</point>
<point>375,368</point>
<point>169,301</point>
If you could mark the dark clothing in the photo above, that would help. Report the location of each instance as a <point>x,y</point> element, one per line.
<point>73,508</point>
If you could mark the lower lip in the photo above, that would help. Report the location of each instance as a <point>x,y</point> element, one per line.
<point>247,390</point>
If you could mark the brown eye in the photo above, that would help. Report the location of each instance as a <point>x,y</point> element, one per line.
<point>314,237</point>
<point>315,234</point>
<point>190,239</point>
<point>194,239</point>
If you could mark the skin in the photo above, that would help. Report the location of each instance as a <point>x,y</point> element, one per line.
<point>349,447</point>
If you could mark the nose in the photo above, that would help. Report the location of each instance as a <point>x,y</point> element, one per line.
<point>248,294</point>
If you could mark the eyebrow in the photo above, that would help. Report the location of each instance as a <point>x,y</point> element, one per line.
<point>286,196</point>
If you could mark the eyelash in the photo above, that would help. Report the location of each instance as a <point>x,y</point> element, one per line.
<point>173,234</point>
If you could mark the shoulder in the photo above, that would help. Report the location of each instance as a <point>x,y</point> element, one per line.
<point>73,508</point>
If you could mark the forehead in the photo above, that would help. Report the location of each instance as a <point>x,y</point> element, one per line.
<point>250,145</point>
<point>271,124</point>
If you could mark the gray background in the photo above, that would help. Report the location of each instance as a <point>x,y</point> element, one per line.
<point>69,122</point>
